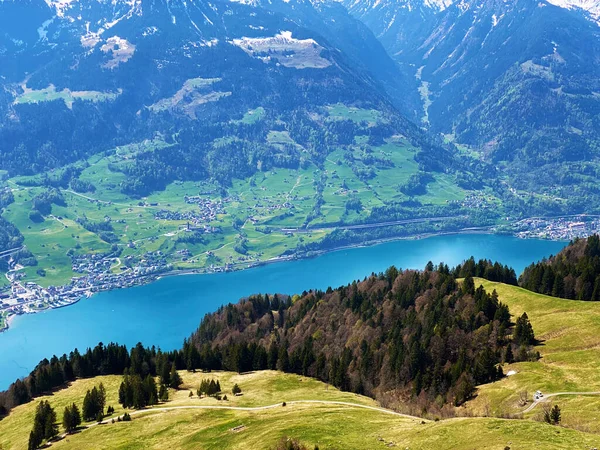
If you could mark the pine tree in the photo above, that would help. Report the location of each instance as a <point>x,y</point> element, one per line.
<point>523,334</point>
<point>71,418</point>
<point>272,357</point>
<point>508,356</point>
<point>151,392</point>
<point>139,396</point>
<point>547,280</point>
<point>101,399</point>
<point>67,419</point>
<point>175,379</point>
<point>468,285</point>
<point>558,289</point>
<point>165,372</point>
<point>283,361</point>
<point>163,393</point>
<point>44,425</point>
<point>126,392</point>
<point>555,415</point>
<point>88,409</point>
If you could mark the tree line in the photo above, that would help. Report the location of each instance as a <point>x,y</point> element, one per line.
<point>420,333</point>
<point>574,273</point>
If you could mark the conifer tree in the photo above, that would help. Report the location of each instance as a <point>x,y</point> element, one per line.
<point>44,425</point>
<point>175,379</point>
<point>523,334</point>
<point>163,393</point>
<point>165,372</point>
<point>283,362</point>
<point>71,418</point>
<point>555,415</point>
<point>508,356</point>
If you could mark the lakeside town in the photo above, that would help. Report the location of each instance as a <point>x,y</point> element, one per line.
<point>557,229</point>
<point>27,297</point>
<point>23,297</point>
<point>97,274</point>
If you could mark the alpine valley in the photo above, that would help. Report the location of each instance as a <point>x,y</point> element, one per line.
<point>143,136</point>
<point>141,139</point>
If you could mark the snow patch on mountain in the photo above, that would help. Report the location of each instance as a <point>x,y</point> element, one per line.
<point>438,4</point>
<point>60,6</point>
<point>410,5</point>
<point>285,50</point>
<point>246,2</point>
<point>120,50</point>
<point>591,6</point>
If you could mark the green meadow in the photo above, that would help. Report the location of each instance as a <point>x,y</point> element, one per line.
<point>328,426</point>
<point>569,334</point>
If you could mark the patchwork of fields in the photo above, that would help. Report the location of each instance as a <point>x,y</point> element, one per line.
<point>205,226</point>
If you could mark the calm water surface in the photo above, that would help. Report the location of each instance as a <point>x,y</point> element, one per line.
<point>167,311</point>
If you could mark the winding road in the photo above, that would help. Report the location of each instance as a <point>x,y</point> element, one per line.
<point>546,397</point>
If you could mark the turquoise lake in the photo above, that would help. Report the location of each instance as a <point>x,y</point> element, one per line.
<point>167,311</point>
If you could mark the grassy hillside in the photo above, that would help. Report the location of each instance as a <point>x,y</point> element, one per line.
<point>329,426</point>
<point>569,331</point>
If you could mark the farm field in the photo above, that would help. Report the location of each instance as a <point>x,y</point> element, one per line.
<point>201,225</point>
<point>69,97</point>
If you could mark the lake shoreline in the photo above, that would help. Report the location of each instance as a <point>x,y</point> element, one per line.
<point>146,313</point>
<point>281,259</point>
<point>317,253</point>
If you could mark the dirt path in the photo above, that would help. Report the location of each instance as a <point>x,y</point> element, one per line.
<point>250,408</point>
<point>277,405</point>
<point>547,397</point>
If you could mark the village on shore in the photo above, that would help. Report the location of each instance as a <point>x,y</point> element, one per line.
<point>23,297</point>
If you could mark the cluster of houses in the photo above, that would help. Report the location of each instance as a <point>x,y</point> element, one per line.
<point>92,263</point>
<point>476,201</point>
<point>566,228</point>
<point>165,214</point>
<point>28,297</point>
<point>272,206</point>
<point>209,209</point>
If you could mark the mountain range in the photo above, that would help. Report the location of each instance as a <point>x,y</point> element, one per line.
<point>515,81</point>
<point>139,54</point>
<point>472,111</point>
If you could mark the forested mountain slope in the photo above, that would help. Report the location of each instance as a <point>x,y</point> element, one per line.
<point>87,76</point>
<point>573,273</point>
<point>515,81</point>
<point>394,336</point>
